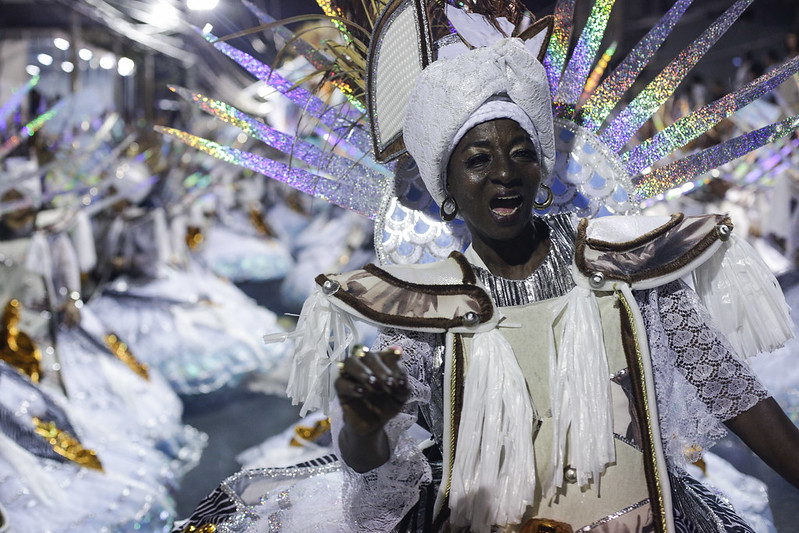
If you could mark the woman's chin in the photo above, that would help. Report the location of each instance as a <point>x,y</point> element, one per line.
<point>506,226</point>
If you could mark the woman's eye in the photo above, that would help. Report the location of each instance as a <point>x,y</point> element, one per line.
<point>477,160</point>
<point>526,154</point>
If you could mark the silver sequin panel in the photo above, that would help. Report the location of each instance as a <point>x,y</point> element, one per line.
<point>550,280</point>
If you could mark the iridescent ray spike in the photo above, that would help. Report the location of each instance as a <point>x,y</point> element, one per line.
<point>770,161</point>
<point>624,126</point>
<point>686,169</point>
<point>361,198</point>
<point>314,106</point>
<point>607,95</point>
<point>16,98</point>
<point>332,11</point>
<point>584,54</point>
<point>298,149</point>
<point>692,126</point>
<point>559,43</point>
<point>29,129</point>
<point>299,95</point>
<point>596,74</point>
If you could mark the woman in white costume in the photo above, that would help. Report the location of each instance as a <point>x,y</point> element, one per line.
<point>625,368</point>
<point>195,328</point>
<point>564,374</point>
<point>239,245</point>
<point>63,470</point>
<point>556,375</point>
<point>80,395</point>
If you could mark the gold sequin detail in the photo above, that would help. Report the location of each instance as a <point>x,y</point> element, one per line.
<point>66,445</point>
<point>310,434</point>
<point>453,396</point>
<point>194,237</point>
<point>123,353</point>
<point>16,347</point>
<point>260,225</point>
<point>649,415</point>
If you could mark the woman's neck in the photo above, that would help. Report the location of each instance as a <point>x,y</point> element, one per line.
<point>517,258</point>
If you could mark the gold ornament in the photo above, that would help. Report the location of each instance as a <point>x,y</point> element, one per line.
<point>66,445</point>
<point>260,225</point>
<point>16,347</point>
<point>543,525</point>
<point>123,353</point>
<point>310,434</point>
<point>194,237</point>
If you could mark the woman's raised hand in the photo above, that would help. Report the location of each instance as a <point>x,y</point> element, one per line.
<point>372,387</point>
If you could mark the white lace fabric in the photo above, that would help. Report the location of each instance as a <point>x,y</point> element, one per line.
<point>699,381</point>
<point>377,500</point>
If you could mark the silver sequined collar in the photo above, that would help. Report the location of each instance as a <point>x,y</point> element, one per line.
<point>550,280</point>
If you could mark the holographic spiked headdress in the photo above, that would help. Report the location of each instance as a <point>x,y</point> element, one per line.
<point>598,170</point>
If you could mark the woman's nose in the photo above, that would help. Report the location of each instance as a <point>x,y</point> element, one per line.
<point>503,169</point>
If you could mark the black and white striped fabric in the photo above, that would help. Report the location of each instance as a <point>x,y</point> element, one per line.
<point>698,510</point>
<point>319,461</point>
<point>21,429</point>
<point>213,509</point>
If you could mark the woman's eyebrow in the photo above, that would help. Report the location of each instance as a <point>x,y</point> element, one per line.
<point>479,143</point>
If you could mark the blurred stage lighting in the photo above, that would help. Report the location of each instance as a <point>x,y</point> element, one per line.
<point>61,44</point>
<point>125,66</point>
<point>107,62</point>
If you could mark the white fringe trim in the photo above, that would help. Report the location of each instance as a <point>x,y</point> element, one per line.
<point>322,336</point>
<point>579,388</point>
<point>493,478</point>
<point>744,299</point>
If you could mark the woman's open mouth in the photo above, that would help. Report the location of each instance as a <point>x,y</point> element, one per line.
<point>505,206</point>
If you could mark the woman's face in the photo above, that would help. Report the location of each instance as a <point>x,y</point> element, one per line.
<point>493,174</point>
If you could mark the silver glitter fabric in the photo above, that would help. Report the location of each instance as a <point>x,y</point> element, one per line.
<point>614,516</point>
<point>278,499</point>
<point>550,280</point>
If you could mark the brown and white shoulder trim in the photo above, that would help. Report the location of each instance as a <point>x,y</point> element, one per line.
<point>436,297</point>
<point>645,252</point>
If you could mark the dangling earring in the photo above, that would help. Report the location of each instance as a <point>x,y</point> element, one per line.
<point>448,209</point>
<point>546,203</point>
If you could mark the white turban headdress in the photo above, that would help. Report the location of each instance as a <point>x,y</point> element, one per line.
<point>454,94</point>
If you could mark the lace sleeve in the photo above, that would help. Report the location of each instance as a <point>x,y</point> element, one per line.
<point>700,383</point>
<point>377,500</point>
